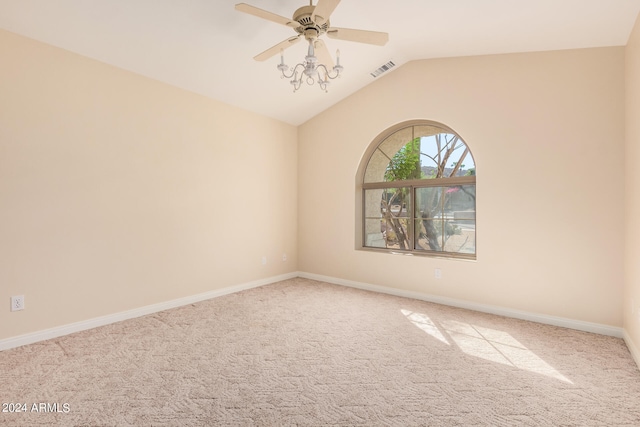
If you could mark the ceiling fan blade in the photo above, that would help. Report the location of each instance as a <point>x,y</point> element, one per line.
<point>360,36</point>
<point>323,54</point>
<point>323,10</point>
<point>277,48</point>
<point>252,10</point>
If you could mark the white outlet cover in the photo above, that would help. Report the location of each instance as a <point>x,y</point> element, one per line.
<point>17,303</point>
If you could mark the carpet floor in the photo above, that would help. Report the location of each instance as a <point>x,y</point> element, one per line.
<point>307,353</point>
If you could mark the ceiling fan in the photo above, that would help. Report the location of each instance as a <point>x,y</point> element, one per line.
<point>311,22</point>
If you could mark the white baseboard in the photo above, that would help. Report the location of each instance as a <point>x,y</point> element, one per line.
<point>136,312</point>
<point>635,352</point>
<point>501,311</point>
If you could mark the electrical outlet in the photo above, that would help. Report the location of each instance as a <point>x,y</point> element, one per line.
<point>264,260</point>
<point>438,273</point>
<point>17,303</point>
<point>284,257</point>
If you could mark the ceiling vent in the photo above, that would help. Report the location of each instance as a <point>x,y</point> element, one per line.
<point>383,69</point>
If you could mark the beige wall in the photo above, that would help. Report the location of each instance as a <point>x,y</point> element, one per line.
<point>547,134</point>
<point>117,191</point>
<point>632,233</point>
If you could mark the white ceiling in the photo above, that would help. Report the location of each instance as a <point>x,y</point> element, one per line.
<point>207,47</point>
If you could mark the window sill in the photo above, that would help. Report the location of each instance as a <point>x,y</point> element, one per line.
<point>417,254</point>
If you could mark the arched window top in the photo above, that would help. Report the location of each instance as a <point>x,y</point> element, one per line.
<point>422,150</point>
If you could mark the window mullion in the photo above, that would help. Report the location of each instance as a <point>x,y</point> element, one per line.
<point>434,182</point>
<point>412,215</point>
<point>442,217</point>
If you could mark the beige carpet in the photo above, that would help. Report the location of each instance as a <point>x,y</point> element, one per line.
<point>303,353</point>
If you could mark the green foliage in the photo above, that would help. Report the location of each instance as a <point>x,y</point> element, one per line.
<point>405,164</point>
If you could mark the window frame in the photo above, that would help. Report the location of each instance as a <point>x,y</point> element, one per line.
<point>412,185</point>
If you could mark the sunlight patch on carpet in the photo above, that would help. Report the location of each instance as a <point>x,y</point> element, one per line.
<point>423,322</point>
<point>486,343</point>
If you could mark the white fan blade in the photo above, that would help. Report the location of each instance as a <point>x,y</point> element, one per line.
<point>277,48</point>
<point>252,10</point>
<point>324,57</point>
<point>360,36</point>
<point>323,10</point>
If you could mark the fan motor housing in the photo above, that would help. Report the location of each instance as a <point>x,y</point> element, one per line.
<point>311,30</point>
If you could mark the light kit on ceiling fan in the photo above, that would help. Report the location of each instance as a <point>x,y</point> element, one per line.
<point>311,22</point>
<point>310,70</point>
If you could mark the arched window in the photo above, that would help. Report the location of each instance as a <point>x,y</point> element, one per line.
<point>419,192</point>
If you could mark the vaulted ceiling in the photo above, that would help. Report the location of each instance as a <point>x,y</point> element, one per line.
<point>206,46</point>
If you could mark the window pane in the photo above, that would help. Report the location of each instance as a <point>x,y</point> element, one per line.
<point>429,202</point>
<point>460,162</point>
<point>460,211</point>
<point>394,234</point>
<point>429,234</point>
<point>390,233</point>
<point>376,167</point>
<point>405,164</point>
<point>445,219</point>
<point>373,203</point>
<point>460,201</point>
<point>461,236</point>
<point>429,217</point>
<point>374,236</point>
<point>396,141</point>
<point>431,155</point>
<point>387,218</point>
<point>426,130</point>
<point>445,155</point>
